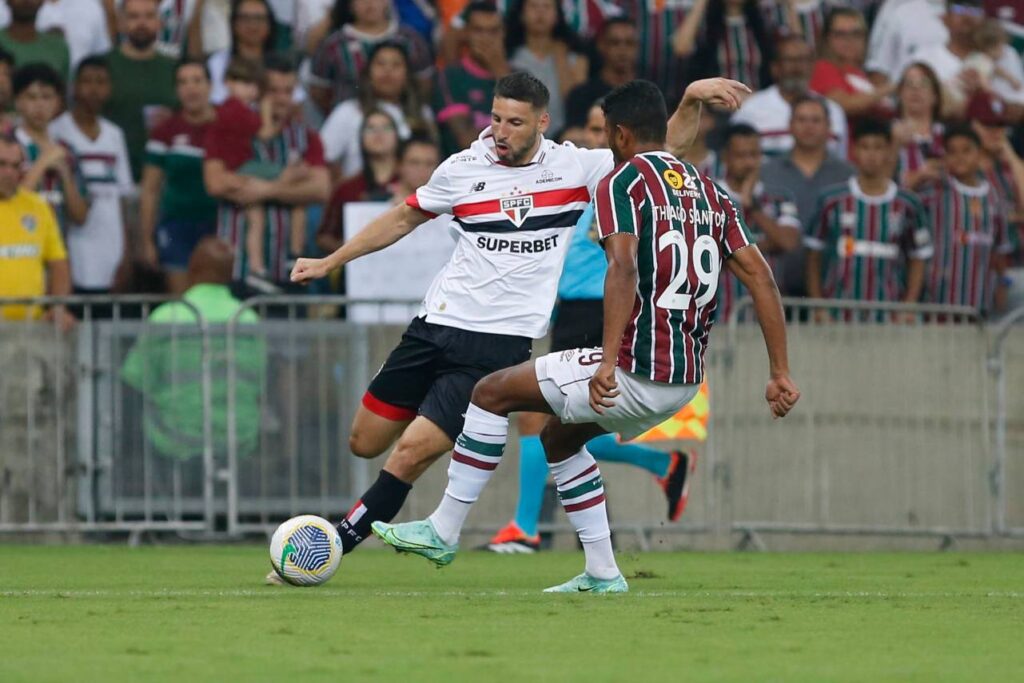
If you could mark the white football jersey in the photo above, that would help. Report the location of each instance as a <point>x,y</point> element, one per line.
<point>513,226</point>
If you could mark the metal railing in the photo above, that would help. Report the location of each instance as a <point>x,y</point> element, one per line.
<point>908,428</point>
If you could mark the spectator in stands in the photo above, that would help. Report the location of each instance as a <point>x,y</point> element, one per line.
<point>356,26</point>
<point>252,39</point>
<point>33,261</point>
<point>839,74</point>
<point>769,110</point>
<point>618,51</point>
<point>771,219</point>
<point>540,42</point>
<point>918,128</point>
<point>312,24</point>
<point>733,41</point>
<point>175,210</point>
<point>870,239</point>
<point>808,169</point>
<point>902,29</point>
<point>947,59</point>
<point>1000,163</point>
<point>970,231</point>
<point>143,95</point>
<point>181,28</point>
<point>98,246</point>
<point>83,25</point>
<point>7,118</point>
<point>388,84</point>
<point>304,181</point>
<point>53,168</point>
<point>416,159</point>
<point>464,90</point>
<point>804,19</point>
<point>23,40</point>
<point>999,68</point>
<point>658,59</point>
<point>165,367</point>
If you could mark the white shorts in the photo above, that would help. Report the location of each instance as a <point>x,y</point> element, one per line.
<point>564,379</point>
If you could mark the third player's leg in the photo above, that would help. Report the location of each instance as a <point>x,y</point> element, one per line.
<point>511,390</point>
<point>372,434</point>
<point>419,446</point>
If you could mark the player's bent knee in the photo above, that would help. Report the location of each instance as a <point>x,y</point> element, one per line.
<point>489,393</point>
<point>556,446</point>
<point>364,447</point>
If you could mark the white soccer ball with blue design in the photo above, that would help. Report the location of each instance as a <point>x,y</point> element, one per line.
<point>305,550</point>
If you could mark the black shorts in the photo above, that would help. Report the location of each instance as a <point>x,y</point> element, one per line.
<point>579,324</point>
<point>433,370</point>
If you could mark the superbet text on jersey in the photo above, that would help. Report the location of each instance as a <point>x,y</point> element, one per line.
<point>513,225</point>
<point>686,226</point>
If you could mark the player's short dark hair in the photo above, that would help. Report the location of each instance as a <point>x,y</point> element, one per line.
<point>640,107</point>
<point>280,63</point>
<point>7,58</point>
<point>481,6</point>
<point>814,99</point>
<point>738,130</point>
<point>523,87</point>
<point>92,62</point>
<point>961,131</point>
<point>405,145</point>
<point>36,72</point>
<point>192,61</point>
<point>872,127</point>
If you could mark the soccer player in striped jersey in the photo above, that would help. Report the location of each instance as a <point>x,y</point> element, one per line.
<point>970,231</point>
<point>771,217</point>
<point>667,231</point>
<point>515,198</point>
<point>870,239</point>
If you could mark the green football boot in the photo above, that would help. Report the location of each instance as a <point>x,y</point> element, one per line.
<point>585,583</point>
<point>418,538</point>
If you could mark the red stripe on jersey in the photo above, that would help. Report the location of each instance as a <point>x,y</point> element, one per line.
<point>540,199</point>
<point>414,201</point>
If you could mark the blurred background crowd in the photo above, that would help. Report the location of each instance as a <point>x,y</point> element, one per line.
<point>877,158</point>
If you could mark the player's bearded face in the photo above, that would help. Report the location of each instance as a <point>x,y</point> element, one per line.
<point>516,127</point>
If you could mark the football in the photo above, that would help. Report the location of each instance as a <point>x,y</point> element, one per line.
<point>305,550</point>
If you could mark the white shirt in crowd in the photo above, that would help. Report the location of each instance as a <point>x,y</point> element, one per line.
<point>340,133</point>
<point>96,247</point>
<point>83,23</point>
<point>216,32</point>
<point>769,113</point>
<point>308,13</point>
<point>901,32</point>
<point>948,66</point>
<point>513,227</point>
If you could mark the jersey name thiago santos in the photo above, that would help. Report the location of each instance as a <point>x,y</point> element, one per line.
<point>686,226</point>
<point>512,225</point>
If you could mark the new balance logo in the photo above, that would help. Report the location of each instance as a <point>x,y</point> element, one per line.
<point>478,187</point>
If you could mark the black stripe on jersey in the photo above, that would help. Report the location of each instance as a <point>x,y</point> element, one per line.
<point>566,219</point>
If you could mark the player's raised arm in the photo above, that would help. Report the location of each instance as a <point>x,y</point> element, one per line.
<point>749,266</point>
<point>682,126</point>
<point>383,231</point>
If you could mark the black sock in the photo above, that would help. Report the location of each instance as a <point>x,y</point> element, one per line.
<point>381,502</point>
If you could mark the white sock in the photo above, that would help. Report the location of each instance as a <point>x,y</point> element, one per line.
<point>477,452</point>
<point>581,491</point>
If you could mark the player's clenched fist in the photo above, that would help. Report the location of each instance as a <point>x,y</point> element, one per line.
<point>781,394</point>
<point>307,269</point>
<point>720,92</point>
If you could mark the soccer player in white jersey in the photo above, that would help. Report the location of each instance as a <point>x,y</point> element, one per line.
<point>667,231</point>
<point>515,197</point>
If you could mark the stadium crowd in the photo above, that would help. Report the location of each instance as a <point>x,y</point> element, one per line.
<point>875,159</point>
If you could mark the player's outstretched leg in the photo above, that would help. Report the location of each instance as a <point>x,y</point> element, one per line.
<point>476,455</point>
<point>581,490</point>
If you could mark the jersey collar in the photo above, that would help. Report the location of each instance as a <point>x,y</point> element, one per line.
<point>979,190</point>
<point>887,196</point>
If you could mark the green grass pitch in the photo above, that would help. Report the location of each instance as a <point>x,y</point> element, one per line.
<point>201,613</point>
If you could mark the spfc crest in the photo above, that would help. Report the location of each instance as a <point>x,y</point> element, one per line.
<point>517,208</point>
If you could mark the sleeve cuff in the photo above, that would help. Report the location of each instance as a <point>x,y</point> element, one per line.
<point>414,202</point>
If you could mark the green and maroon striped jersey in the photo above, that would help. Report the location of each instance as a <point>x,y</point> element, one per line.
<point>686,227</point>
<point>866,240</point>
<point>970,229</point>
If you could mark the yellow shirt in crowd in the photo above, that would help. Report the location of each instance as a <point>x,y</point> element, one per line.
<point>29,239</point>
